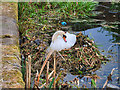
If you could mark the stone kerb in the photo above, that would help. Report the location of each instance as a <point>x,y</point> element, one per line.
<point>10,64</point>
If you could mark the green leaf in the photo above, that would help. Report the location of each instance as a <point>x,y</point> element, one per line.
<point>93,84</point>
<point>51,83</point>
<point>59,87</point>
<point>28,38</point>
<point>41,79</point>
<point>80,72</point>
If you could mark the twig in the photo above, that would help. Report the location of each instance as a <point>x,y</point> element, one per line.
<point>36,75</point>
<point>58,76</point>
<point>35,85</point>
<point>92,62</point>
<point>105,83</point>
<point>78,53</point>
<point>47,72</point>
<point>48,79</point>
<point>27,74</point>
<point>109,47</point>
<point>76,81</point>
<point>112,45</point>
<point>49,54</point>
<point>42,85</point>
<point>29,70</point>
<point>116,43</point>
<point>50,74</point>
<point>54,68</point>
<point>107,79</point>
<point>86,61</point>
<point>61,56</point>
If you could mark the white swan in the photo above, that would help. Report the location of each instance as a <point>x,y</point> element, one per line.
<point>61,40</point>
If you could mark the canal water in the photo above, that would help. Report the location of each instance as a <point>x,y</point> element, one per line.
<point>108,46</point>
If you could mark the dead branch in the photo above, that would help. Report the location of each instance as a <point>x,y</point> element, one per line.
<point>29,70</point>
<point>47,72</point>
<point>27,74</point>
<point>54,68</point>
<point>48,56</point>
<point>107,78</point>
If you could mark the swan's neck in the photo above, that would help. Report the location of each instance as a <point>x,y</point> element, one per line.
<point>55,37</point>
<point>56,34</point>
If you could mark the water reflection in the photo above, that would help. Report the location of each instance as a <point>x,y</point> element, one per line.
<point>106,39</point>
<point>108,47</point>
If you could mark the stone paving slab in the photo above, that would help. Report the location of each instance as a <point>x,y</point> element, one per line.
<point>10,61</point>
<point>9,32</point>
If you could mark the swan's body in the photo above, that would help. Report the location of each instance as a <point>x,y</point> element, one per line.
<point>59,42</point>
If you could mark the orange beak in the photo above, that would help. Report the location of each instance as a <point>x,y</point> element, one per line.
<point>64,39</point>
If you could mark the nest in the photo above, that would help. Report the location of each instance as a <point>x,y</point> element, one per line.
<point>82,58</point>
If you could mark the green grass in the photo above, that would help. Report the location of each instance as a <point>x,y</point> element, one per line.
<point>36,14</point>
<point>115,6</point>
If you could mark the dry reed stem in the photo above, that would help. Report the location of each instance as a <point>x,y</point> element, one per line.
<point>29,71</point>
<point>92,63</point>
<point>54,68</point>
<point>50,74</point>
<point>77,53</point>
<point>42,85</point>
<point>58,77</point>
<point>107,79</point>
<point>27,74</point>
<point>45,83</point>
<point>48,56</point>
<point>35,79</point>
<point>48,79</point>
<point>47,72</point>
<point>62,56</point>
<point>87,61</point>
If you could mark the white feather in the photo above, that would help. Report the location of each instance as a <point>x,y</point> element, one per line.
<point>60,44</point>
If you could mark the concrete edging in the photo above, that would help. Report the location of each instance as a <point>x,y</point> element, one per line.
<point>11,76</point>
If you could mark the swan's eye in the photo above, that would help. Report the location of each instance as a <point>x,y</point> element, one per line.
<point>64,36</point>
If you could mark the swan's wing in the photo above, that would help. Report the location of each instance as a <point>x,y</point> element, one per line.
<point>71,39</point>
<point>58,44</point>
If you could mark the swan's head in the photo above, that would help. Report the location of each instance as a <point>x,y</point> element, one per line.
<point>59,33</point>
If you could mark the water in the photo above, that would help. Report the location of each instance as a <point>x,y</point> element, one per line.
<point>104,39</point>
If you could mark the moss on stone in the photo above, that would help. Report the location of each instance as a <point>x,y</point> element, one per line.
<point>14,76</point>
<point>12,8</point>
<point>10,49</point>
<point>10,59</point>
<point>5,36</point>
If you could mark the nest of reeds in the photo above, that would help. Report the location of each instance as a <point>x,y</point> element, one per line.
<point>84,57</point>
